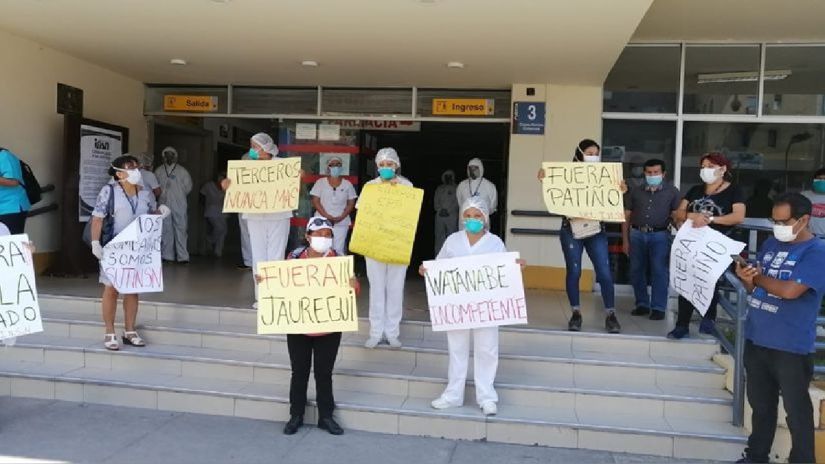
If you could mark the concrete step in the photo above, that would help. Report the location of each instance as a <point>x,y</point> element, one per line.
<point>712,404</point>
<point>553,425</point>
<point>620,371</point>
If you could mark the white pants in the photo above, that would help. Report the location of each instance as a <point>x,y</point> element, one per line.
<point>339,238</point>
<point>246,251</point>
<point>174,237</point>
<point>267,240</point>
<point>386,297</point>
<point>485,364</point>
<point>444,226</point>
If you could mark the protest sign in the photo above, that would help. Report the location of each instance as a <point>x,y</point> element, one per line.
<point>19,309</point>
<point>475,291</point>
<point>263,186</point>
<point>698,257</point>
<point>131,261</point>
<point>386,222</point>
<point>299,296</point>
<point>584,190</point>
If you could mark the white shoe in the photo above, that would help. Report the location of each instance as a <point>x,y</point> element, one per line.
<point>441,403</point>
<point>489,408</point>
<point>372,342</point>
<point>255,305</point>
<point>394,342</point>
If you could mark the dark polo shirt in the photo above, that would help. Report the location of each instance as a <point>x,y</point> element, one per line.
<point>651,206</point>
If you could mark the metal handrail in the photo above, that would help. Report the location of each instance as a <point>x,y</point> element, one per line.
<point>737,310</point>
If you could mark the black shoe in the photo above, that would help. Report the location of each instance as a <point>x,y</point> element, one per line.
<point>295,423</point>
<point>611,324</point>
<point>678,333</point>
<point>640,311</point>
<point>243,267</point>
<point>330,426</point>
<point>183,262</point>
<point>575,324</point>
<point>657,315</point>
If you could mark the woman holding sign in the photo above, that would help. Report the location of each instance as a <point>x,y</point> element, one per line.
<point>717,203</point>
<point>386,280</point>
<point>129,202</point>
<point>473,240</point>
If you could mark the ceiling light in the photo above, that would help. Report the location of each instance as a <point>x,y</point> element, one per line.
<point>455,65</point>
<point>177,62</point>
<point>746,76</point>
<point>221,1</point>
<point>309,63</point>
<point>428,2</point>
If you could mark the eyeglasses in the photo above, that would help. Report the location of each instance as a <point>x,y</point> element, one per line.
<point>320,222</point>
<point>783,222</point>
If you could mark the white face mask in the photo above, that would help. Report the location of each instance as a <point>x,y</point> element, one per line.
<point>784,233</point>
<point>592,158</point>
<point>708,175</point>
<point>133,175</point>
<point>320,244</point>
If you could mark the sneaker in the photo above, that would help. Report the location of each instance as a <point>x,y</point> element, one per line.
<point>706,326</point>
<point>657,315</point>
<point>575,324</point>
<point>295,423</point>
<point>441,403</point>
<point>640,311</point>
<point>372,342</point>
<point>678,333</point>
<point>489,408</point>
<point>329,424</point>
<point>611,324</point>
<point>394,342</point>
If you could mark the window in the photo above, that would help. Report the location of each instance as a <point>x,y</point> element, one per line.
<point>274,100</point>
<point>645,79</point>
<point>375,102</point>
<point>721,79</point>
<point>794,80</point>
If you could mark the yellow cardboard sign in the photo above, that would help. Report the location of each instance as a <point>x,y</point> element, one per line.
<point>263,186</point>
<point>299,296</point>
<point>386,222</point>
<point>190,103</point>
<point>463,107</point>
<point>584,190</point>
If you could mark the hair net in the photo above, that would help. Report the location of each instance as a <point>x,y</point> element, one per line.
<point>145,159</point>
<point>387,154</point>
<point>448,172</point>
<point>265,141</point>
<point>335,158</point>
<point>479,204</point>
<point>172,151</point>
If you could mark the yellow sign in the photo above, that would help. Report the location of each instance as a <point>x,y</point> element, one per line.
<point>300,296</point>
<point>386,222</point>
<point>191,103</point>
<point>263,186</point>
<point>463,107</point>
<point>584,190</point>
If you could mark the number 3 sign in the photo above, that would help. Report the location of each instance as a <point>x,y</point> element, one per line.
<point>528,118</point>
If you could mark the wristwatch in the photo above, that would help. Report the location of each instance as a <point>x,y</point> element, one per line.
<point>710,220</point>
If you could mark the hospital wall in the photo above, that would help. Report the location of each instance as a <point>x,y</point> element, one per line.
<point>573,113</point>
<point>31,127</point>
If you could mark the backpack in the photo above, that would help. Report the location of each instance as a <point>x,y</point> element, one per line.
<point>30,184</point>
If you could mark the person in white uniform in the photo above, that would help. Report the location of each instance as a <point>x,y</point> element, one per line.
<point>268,232</point>
<point>446,209</point>
<point>475,185</point>
<point>333,197</point>
<point>386,280</point>
<point>130,201</point>
<point>246,248</point>
<point>475,239</point>
<point>213,197</point>
<point>148,179</point>
<point>176,183</point>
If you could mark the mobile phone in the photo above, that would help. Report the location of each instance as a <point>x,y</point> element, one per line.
<point>740,260</point>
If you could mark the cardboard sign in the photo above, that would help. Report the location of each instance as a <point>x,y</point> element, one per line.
<point>299,296</point>
<point>698,257</point>
<point>475,291</point>
<point>259,186</point>
<point>131,261</point>
<point>19,309</point>
<point>386,222</point>
<point>584,190</point>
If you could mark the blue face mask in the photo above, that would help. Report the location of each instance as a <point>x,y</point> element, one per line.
<point>819,185</point>
<point>386,173</point>
<point>653,181</point>
<point>473,225</point>
<point>253,154</point>
<point>335,171</point>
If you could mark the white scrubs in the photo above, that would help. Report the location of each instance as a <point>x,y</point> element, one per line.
<point>246,248</point>
<point>386,289</point>
<point>213,213</point>
<point>334,201</point>
<point>148,180</point>
<point>485,340</point>
<point>176,183</point>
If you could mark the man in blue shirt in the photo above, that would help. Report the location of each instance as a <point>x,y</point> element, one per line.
<point>14,204</point>
<point>786,288</point>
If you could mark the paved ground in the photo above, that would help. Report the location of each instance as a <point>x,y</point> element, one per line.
<point>40,431</point>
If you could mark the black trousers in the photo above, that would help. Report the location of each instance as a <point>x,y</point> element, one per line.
<point>16,222</point>
<point>769,373</point>
<point>686,309</point>
<point>301,350</point>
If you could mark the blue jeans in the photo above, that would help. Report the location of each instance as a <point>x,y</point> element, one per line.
<point>650,252</point>
<point>596,247</point>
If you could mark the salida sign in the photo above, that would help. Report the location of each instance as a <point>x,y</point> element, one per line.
<point>192,103</point>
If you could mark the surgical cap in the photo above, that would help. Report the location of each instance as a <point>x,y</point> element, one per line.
<point>387,154</point>
<point>477,203</point>
<point>265,141</point>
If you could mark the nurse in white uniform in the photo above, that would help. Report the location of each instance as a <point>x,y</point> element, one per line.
<point>334,197</point>
<point>473,240</point>
<point>386,280</point>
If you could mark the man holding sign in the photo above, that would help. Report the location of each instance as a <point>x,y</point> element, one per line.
<point>470,294</point>
<point>310,297</point>
<point>265,190</point>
